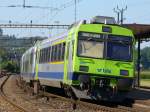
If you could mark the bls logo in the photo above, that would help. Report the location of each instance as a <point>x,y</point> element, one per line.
<point>104,70</point>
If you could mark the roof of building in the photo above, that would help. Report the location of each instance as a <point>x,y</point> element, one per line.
<point>141,31</point>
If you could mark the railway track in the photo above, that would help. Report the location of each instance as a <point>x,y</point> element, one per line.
<point>101,106</point>
<point>92,105</point>
<point>17,107</point>
<point>74,104</point>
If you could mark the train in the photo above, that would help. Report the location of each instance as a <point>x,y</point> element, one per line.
<point>94,59</point>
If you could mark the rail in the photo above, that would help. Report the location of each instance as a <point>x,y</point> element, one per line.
<point>19,108</point>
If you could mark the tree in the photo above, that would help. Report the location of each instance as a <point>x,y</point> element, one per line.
<point>145,57</point>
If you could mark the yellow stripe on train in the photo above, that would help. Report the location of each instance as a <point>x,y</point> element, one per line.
<point>57,62</point>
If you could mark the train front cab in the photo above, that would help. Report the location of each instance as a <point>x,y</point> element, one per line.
<point>101,64</point>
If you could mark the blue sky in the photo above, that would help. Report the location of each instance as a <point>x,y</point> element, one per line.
<point>137,12</point>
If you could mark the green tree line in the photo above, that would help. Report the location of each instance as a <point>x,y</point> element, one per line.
<point>145,58</point>
<point>6,63</point>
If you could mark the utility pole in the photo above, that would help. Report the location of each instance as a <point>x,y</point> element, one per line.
<point>24,3</point>
<point>75,16</point>
<point>120,12</point>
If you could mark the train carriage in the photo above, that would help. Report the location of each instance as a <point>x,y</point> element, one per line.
<point>28,61</point>
<point>92,60</point>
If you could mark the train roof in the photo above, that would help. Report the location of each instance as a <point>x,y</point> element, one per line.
<point>55,38</point>
<point>31,49</point>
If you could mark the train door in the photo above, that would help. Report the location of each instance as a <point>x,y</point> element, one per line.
<point>36,63</point>
<point>68,63</point>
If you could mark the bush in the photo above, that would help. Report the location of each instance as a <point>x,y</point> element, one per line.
<point>145,75</point>
<point>10,67</point>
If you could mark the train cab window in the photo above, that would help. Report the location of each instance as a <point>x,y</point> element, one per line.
<point>90,45</point>
<point>119,48</point>
<point>91,48</point>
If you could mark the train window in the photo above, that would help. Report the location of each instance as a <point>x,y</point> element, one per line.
<point>55,53</point>
<point>46,54</point>
<point>63,50</point>
<point>49,58</point>
<point>89,48</point>
<point>40,56</point>
<point>43,55</point>
<point>31,58</point>
<point>52,56</point>
<point>59,52</point>
<point>61,47</point>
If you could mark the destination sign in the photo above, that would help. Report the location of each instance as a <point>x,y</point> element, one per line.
<point>120,38</point>
<point>91,35</point>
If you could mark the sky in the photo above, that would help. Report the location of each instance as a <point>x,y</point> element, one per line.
<point>63,13</point>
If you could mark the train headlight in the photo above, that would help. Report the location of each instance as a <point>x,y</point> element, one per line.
<point>124,72</point>
<point>84,68</point>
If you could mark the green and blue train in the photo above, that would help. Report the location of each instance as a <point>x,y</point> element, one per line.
<point>92,60</point>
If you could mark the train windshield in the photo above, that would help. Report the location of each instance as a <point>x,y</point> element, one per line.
<point>90,45</point>
<point>119,48</point>
<point>112,47</point>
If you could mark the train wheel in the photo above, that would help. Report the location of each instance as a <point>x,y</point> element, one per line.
<point>69,92</point>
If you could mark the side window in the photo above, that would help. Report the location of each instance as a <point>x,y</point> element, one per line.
<point>52,55</point>
<point>48,54</point>
<point>59,52</point>
<point>44,55</point>
<point>63,51</point>
<point>41,55</point>
<point>55,53</point>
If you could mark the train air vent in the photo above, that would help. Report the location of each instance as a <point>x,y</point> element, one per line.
<point>103,20</point>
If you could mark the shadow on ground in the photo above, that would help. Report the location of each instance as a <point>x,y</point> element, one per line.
<point>140,94</point>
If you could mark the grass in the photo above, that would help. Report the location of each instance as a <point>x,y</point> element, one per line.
<point>145,78</point>
<point>145,82</point>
